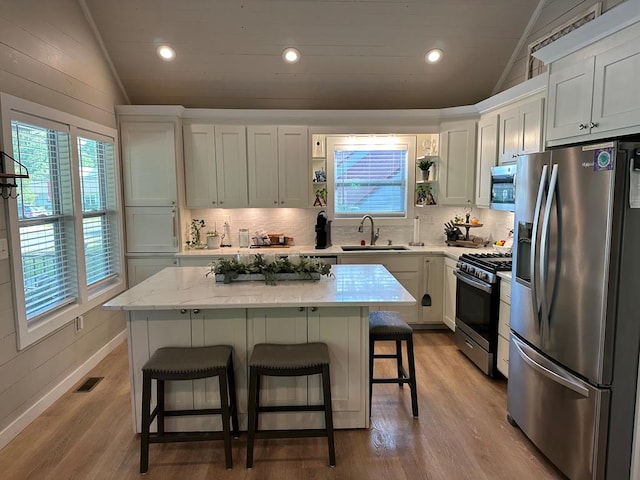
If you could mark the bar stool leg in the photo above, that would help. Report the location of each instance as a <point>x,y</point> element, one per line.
<point>253,414</point>
<point>146,414</point>
<point>224,406</point>
<point>233,399</point>
<point>328,414</point>
<point>412,377</point>
<point>372,347</point>
<point>160,404</point>
<point>399,362</point>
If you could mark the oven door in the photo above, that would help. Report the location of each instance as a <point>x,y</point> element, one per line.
<point>475,307</point>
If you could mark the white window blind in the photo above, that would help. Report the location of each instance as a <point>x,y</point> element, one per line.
<point>370,181</point>
<point>46,222</point>
<point>99,216</point>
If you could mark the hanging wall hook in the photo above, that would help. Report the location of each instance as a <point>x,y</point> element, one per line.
<point>7,189</point>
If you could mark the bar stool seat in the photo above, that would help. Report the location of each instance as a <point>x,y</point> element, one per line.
<point>389,326</point>
<point>188,363</point>
<point>289,360</point>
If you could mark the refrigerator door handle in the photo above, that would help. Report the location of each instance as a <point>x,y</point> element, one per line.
<point>534,241</point>
<point>551,375</point>
<point>544,245</point>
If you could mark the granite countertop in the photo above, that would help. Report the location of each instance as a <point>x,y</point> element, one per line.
<point>177,288</point>
<point>451,252</point>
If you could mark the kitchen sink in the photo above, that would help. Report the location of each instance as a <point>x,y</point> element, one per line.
<point>358,248</point>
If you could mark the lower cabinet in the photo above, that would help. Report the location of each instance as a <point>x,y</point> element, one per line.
<point>344,329</point>
<point>139,269</point>
<point>432,291</point>
<point>406,269</point>
<point>504,327</point>
<point>449,283</point>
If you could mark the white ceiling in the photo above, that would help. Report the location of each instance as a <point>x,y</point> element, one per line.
<point>356,54</point>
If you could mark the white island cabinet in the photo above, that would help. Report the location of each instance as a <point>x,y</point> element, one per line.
<point>180,306</point>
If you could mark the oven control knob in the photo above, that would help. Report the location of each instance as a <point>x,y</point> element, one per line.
<point>471,270</point>
<point>484,276</point>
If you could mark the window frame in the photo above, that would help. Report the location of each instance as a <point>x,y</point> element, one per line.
<point>342,142</point>
<point>28,333</point>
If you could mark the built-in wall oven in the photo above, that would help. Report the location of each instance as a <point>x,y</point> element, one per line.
<point>477,306</point>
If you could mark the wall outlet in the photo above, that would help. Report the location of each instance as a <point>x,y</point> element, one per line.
<point>4,249</point>
<point>79,323</point>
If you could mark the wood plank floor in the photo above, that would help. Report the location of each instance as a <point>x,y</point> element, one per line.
<point>462,433</point>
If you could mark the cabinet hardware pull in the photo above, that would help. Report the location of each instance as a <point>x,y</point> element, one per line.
<point>301,309</point>
<point>314,309</point>
<point>275,202</point>
<point>594,124</point>
<point>183,311</point>
<point>196,311</point>
<point>582,126</point>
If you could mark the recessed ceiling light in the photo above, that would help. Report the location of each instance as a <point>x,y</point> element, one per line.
<point>166,53</point>
<point>433,55</point>
<point>291,55</point>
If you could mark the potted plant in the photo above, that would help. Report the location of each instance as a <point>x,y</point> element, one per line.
<point>213,239</point>
<point>196,240</point>
<point>425,165</point>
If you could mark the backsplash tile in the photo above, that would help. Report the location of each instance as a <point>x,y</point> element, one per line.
<point>299,223</point>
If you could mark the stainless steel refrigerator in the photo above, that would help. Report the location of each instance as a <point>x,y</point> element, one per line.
<point>575,306</point>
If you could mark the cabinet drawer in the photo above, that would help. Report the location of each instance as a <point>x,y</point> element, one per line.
<point>503,356</point>
<point>504,312</point>
<point>505,291</point>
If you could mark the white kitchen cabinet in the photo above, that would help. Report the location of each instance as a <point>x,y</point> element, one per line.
<point>149,163</point>
<point>215,166</point>
<point>151,229</point>
<point>141,268</point>
<point>457,163</point>
<point>487,157</point>
<point>278,162</point>
<point>504,327</point>
<point>406,268</point>
<point>432,272</point>
<point>449,281</point>
<point>521,130</point>
<point>597,97</point>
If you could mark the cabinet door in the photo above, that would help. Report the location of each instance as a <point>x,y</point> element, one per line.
<point>293,166</point>
<point>139,269</point>
<point>262,159</point>
<point>200,166</point>
<point>149,163</point>
<point>569,111</point>
<point>487,157</point>
<point>530,127</point>
<point>450,294</point>
<point>509,135</point>
<point>151,229</point>
<point>616,96</point>
<point>432,274</point>
<point>231,166</point>
<point>457,156</point>
<point>345,330</point>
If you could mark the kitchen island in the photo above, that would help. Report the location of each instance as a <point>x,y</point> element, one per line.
<point>180,306</point>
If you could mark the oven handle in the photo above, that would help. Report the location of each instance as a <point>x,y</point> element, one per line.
<point>471,281</point>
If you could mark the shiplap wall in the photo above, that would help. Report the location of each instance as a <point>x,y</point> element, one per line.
<point>554,13</point>
<point>49,55</point>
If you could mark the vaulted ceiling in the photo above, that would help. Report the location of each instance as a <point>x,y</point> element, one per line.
<point>356,54</point>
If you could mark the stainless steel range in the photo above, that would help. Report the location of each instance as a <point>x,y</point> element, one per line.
<point>477,305</point>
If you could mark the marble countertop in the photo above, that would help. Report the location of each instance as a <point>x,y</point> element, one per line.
<point>451,252</point>
<point>187,288</point>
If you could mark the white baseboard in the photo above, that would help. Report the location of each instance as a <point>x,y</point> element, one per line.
<point>20,423</point>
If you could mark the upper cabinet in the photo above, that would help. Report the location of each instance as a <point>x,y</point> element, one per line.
<point>278,162</point>
<point>215,166</point>
<point>457,163</point>
<point>596,97</point>
<point>149,164</point>
<point>521,129</point>
<point>487,157</point>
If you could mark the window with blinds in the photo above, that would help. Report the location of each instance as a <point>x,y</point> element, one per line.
<point>99,215</point>
<point>370,180</point>
<point>46,221</point>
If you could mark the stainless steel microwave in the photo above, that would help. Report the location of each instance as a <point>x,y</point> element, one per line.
<point>503,187</point>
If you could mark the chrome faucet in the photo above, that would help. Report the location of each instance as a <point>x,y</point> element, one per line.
<point>374,233</point>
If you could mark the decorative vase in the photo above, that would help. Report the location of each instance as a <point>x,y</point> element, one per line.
<point>213,242</point>
<point>425,174</point>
